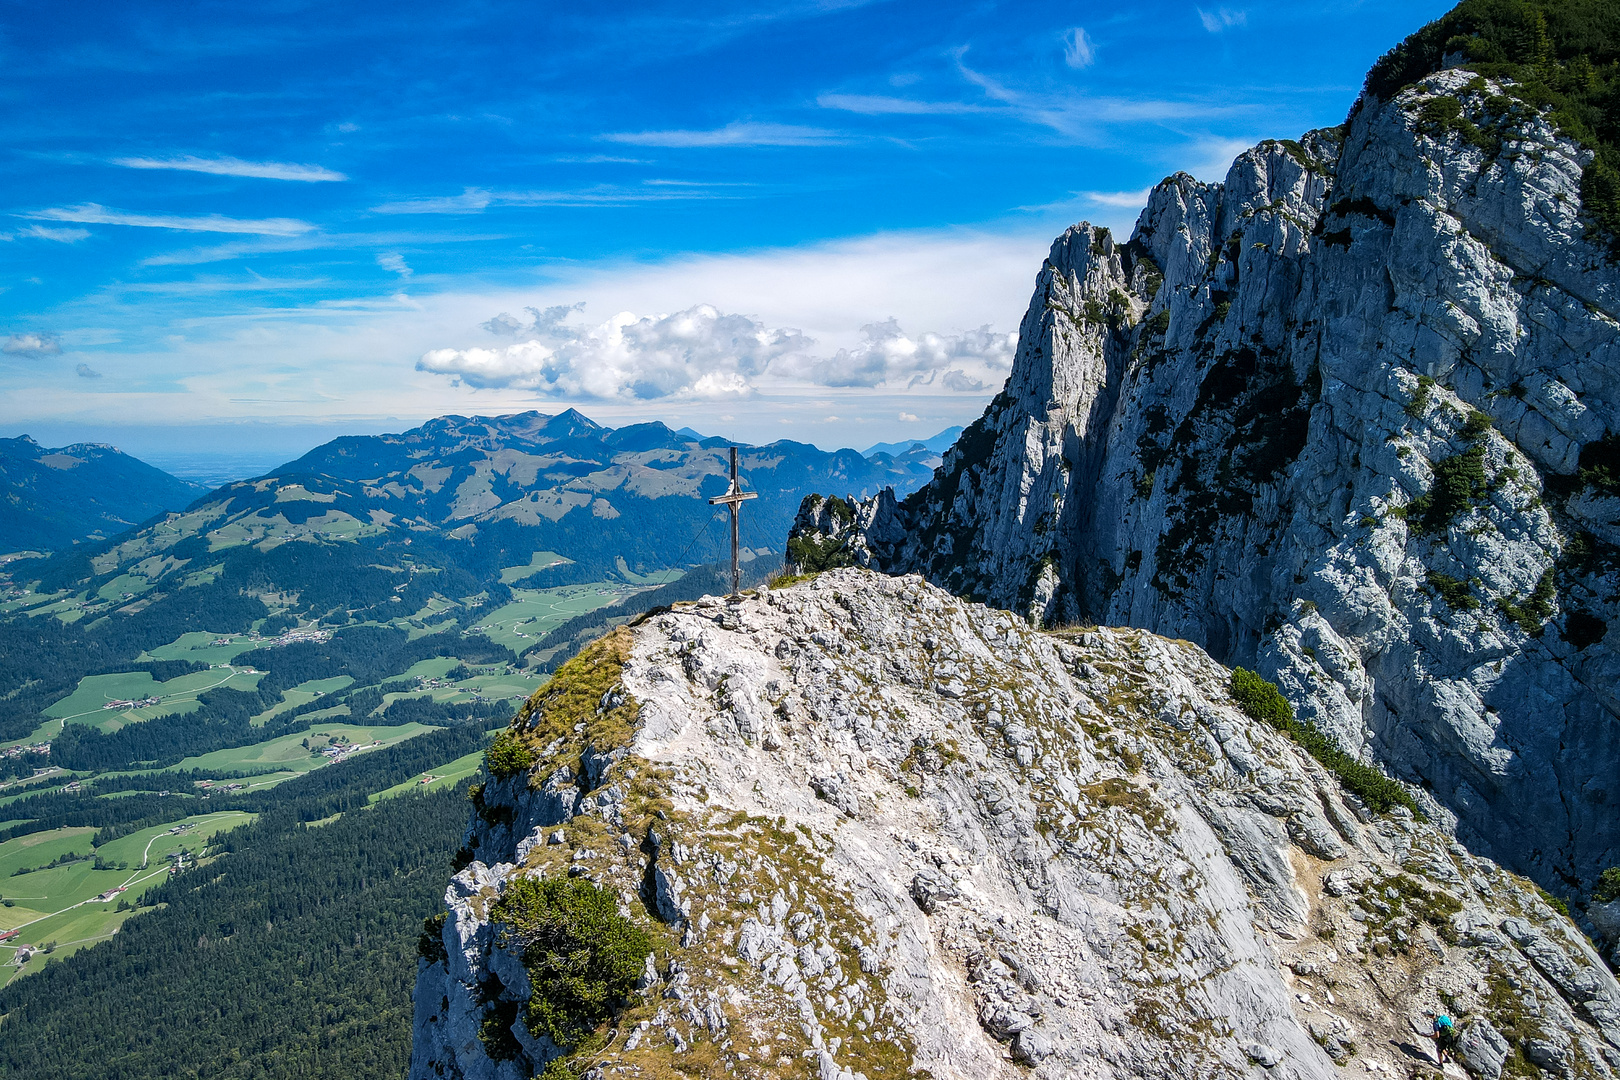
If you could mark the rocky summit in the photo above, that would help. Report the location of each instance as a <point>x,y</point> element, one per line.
<point>1350,417</point>
<point>859,827</point>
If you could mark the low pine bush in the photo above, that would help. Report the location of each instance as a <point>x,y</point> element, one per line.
<point>1261,700</point>
<point>582,956</point>
<point>507,756</point>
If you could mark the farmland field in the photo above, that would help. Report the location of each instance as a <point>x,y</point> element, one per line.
<point>58,904</point>
<point>533,612</point>
<point>199,645</point>
<point>86,703</point>
<point>449,774</point>
<point>540,560</point>
<point>304,693</point>
<point>288,753</point>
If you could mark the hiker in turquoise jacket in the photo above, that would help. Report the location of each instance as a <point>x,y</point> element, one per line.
<point>1444,1036</point>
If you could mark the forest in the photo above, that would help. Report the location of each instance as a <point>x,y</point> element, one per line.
<point>291,955</point>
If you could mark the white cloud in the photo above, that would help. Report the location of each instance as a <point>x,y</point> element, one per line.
<point>966,362</point>
<point>95,214</point>
<point>31,344</point>
<point>596,159</point>
<point>1221,19</point>
<point>394,263</point>
<point>85,371</point>
<point>735,134</point>
<point>879,105</point>
<point>337,361</point>
<point>1083,118</point>
<point>1129,200</point>
<point>237,249</point>
<point>477,200</point>
<point>60,236</point>
<point>1078,49</point>
<point>229,166</point>
<point>703,353</point>
<point>470,201</point>
<point>908,418</point>
<point>696,353</point>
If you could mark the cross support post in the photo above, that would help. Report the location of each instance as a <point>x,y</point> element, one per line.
<point>733,499</point>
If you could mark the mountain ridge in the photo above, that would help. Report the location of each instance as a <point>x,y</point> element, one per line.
<point>859,828</point>
<point>57,497</point>
<point>1349,417</point>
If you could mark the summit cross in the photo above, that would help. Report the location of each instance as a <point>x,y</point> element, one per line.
<point>734,498</point>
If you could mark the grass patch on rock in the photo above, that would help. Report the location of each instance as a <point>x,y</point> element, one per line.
<point>583,708</point>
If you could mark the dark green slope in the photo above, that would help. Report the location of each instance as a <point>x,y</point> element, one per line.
<point>49,499</point>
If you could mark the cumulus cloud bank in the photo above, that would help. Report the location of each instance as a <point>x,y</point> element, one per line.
<point>966,362</point>
<point>703,353</point>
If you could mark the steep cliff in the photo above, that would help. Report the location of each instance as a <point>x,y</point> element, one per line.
<point>1349,417</point>
<point>860,827</point>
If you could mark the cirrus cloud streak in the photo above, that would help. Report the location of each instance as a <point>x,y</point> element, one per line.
<point>96,214</point>
<point>229,166</point>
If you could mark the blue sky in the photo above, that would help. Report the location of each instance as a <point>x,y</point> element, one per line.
<point>246,228</point>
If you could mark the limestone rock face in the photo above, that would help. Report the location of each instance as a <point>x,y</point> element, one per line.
<point>873,828</point>
<point>1328,419</point>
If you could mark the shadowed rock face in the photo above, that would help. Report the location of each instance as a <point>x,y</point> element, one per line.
<point>873,828</point>
<point>1338,418</point>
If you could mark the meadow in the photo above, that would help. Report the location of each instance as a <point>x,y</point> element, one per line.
<point>58,907</point>
<point>87,703</point>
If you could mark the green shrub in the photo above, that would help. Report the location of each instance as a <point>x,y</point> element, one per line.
<point>1262,701</point>
<point>430,946</point>
<point>1420,396</point>
<point>1553,902</point>
<point>1475,427</point>
<point>1458,481</point>
<point>1561,53</point>
<point>811,556</point>
<point>1608,886</point>
<point>496,1030</point>
<point>1531,615</point>
<point>507,756</point>
<point>582,956</point>
<point>1600,465</point>
<point>1455,593</point>
<point>1442,115</point>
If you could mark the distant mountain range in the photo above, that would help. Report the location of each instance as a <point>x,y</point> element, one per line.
<point>560,483</point>
<point>936,444</point>
<point>484,503</point>
<point>52,498</point>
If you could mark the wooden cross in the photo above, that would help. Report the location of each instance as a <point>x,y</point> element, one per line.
<point>734,498</point>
